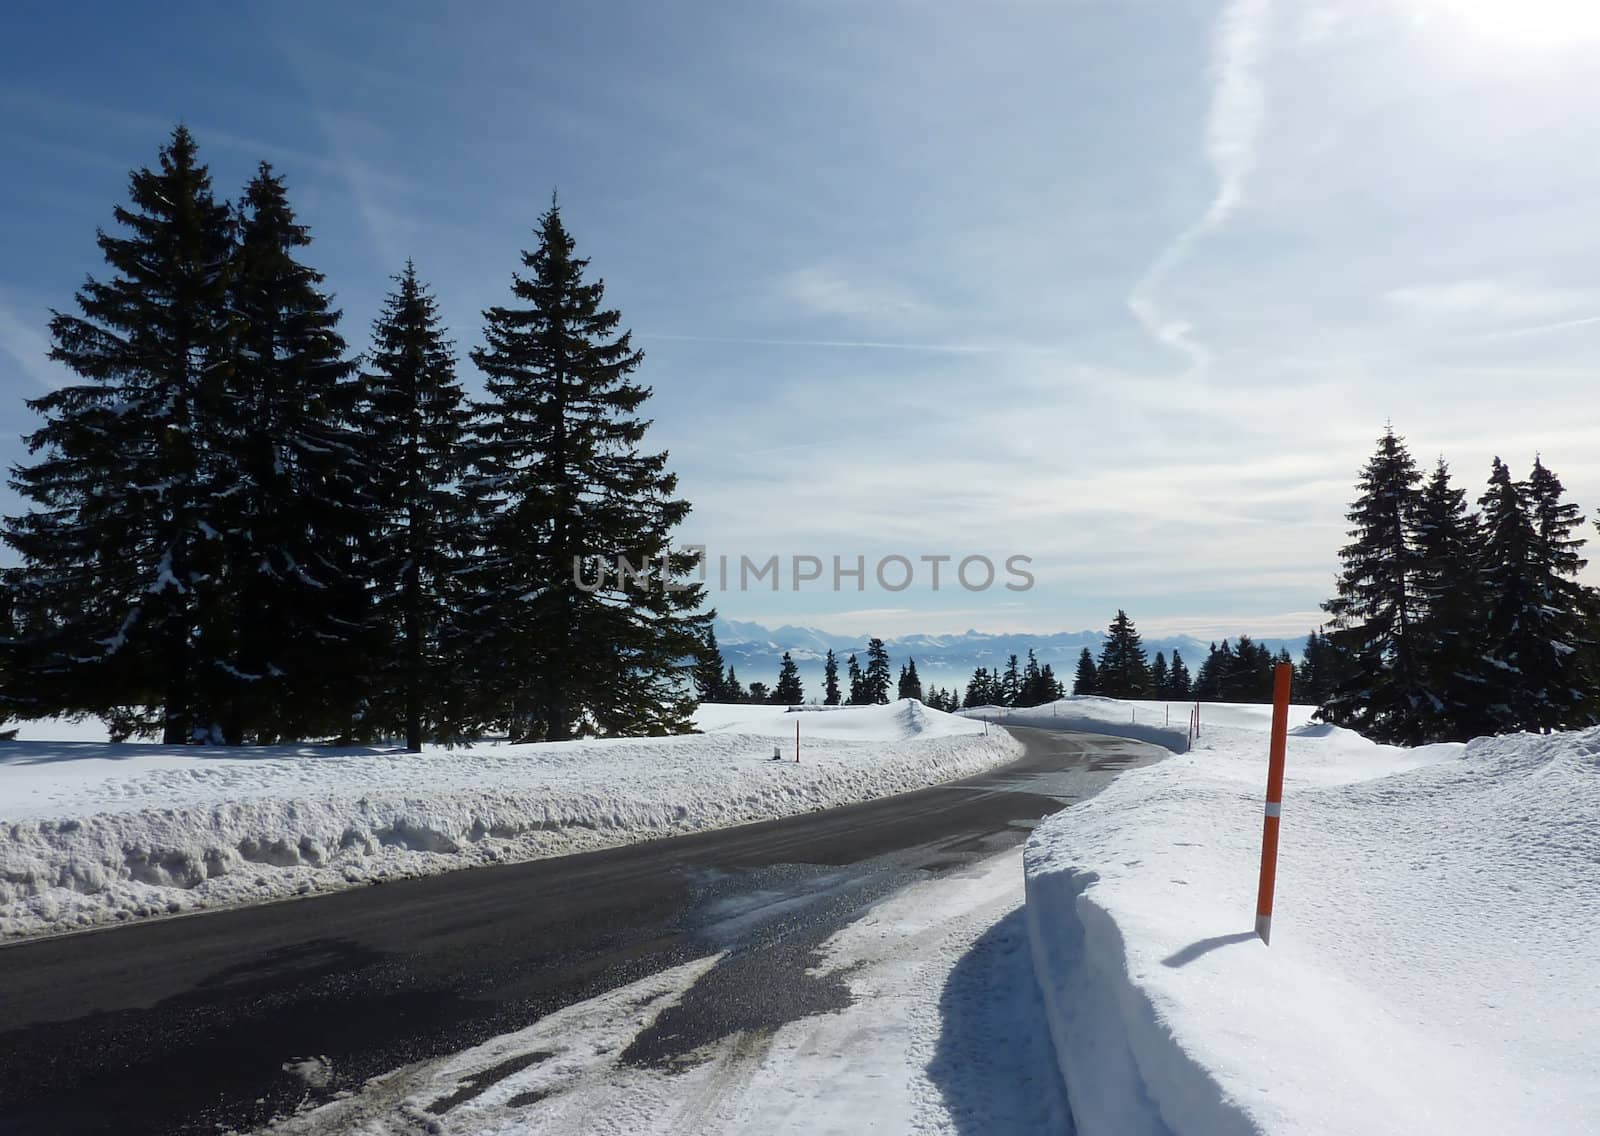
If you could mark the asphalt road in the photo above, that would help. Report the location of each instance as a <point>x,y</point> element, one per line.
<point>187,1025</point>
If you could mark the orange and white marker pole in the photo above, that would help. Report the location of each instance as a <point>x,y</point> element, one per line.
<point>1269,833</point>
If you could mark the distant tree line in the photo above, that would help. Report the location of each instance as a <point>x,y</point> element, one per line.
<point>240,531</point>
<point>716,681</point>
<point>1449,623</point>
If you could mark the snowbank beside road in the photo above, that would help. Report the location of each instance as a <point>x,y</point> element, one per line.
<point>1159,722</point>
<point>97,833</point>
<point>1434,945</point>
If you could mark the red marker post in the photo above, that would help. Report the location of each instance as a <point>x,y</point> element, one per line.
<point>1269,833</point>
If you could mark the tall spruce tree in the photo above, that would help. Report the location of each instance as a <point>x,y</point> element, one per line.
<point>1208,681</point>
<point>1179,683</point>
<point>119,587</point>
<point>1380,691</point>
<point>788,691</point>
<point>857,681</point>
<point>709,683</point>
<point>300,521</point>
<point>1123,671</point>
<point>1160,677</point>
<point>560,488</point>
<point>878,676</point>
<point>830,679</point>
<point>1448,623</point>
<point>414,417</point>
<point>981,689</point>
<point>1033,691</point>
<point>910,684</point>
<point>1011,682</point>
<point>9,687</point>
<point>1086,680</point>
<point>1536,632</point>
<point>1053,691</point>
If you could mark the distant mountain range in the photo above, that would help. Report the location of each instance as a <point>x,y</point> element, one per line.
<point>755,651</point>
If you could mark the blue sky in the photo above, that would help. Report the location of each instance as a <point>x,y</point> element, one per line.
<point>1129,287</point>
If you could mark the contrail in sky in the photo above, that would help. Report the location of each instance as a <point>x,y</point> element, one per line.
<point>1233,128</point>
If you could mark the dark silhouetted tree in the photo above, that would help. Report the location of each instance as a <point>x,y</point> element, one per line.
<point>558,484</point>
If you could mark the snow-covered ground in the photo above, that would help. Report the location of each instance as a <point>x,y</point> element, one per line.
<point>1160,722</point>
<point>94,833</point>
<point>1435,944</point>
<point>944,1035</point>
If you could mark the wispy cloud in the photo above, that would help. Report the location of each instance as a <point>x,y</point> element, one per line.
<point>852,344</point>
<point>1233,127</point>
<point>827,291</point>
<point>1543,328</point>
<point>29,348</point>
<point>1491,299</point>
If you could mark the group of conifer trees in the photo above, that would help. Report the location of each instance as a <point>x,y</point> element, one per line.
<point>1449,623</point>
<point>1018,684</point>
<point>1239,671</point>
<point>240,531</point>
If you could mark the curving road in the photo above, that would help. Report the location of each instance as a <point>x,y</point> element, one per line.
<point>197,1024</point>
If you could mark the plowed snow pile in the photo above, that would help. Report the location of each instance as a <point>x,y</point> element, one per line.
<point>94,833</point>
<point>1435,949</point>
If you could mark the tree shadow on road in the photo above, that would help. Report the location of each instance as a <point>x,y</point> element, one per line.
<point>995,1063</point>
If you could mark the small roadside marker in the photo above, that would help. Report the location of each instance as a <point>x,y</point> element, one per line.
<point>1274,810</point>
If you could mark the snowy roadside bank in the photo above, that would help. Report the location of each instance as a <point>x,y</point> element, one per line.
<point>1433,939</point>
<point>94,834</point>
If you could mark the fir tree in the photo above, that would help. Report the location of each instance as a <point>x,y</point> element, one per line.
<point>299,522</point>
<point>1450,601</point>
<point>830,679</point>
<point>1380,692</point>
<point>1123,671</point>
<point>1536,633</point>
<point>733,690</point>
<point>1208,682</point>
<point>1160,678</point>
<point>1087,679</point>
<point>1033,692</point>
<point>759,693</point>
<point>121,560</point>
<point>983,689</point>
<point>9,701</point>
<point>789,691</point>
<point>414,417</point>
<point>709,683</point>
<point>562,494</point>
<point>858,682</point>
<point>1053,691</point>
<point>910,685</point>
<point>1248,675</point>
<point>878,676</point>
<point>1010,682</point>
<point>1179,685</point>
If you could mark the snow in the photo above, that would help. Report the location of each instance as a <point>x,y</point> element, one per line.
<point>1161,722</point>
<point>1433,947</point>
<point>94,833</point>
<point>944,1035</point>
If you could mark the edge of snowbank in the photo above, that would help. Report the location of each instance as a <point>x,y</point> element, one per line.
<point>1108,1035</point>
<point>1106,1031</point>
